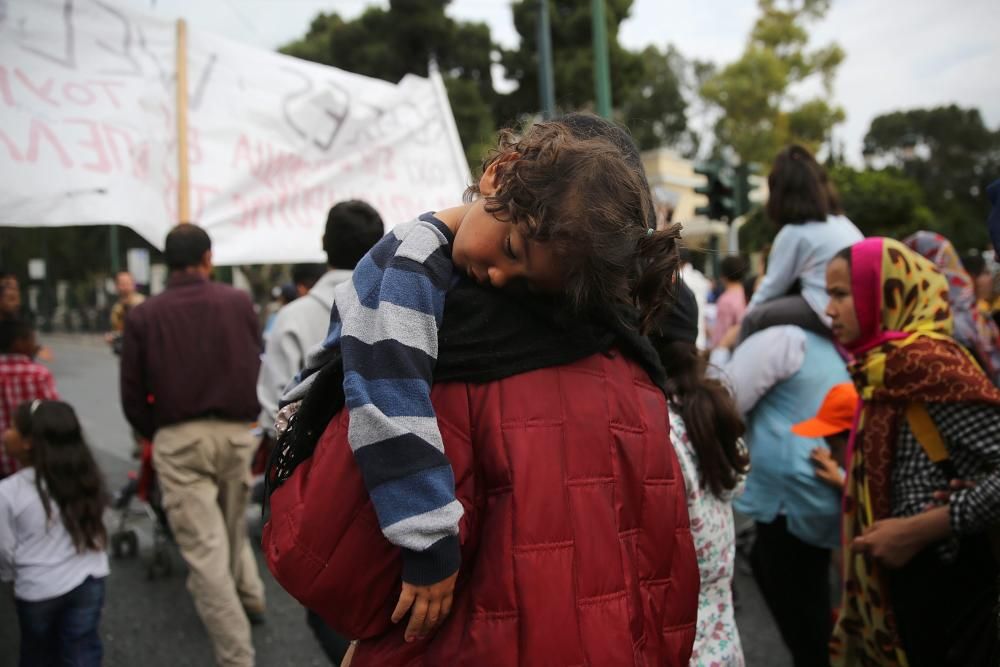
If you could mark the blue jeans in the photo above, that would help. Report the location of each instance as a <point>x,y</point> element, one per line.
<point>62,632</point>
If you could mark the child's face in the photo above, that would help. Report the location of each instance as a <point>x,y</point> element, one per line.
<point>26,345</point>
<point>494,252</point>
<point>10,299</point>
<point>16,445</point>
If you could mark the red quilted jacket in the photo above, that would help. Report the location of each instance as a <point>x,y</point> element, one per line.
<point>576,548</point>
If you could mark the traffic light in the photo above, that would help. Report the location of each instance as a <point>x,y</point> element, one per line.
<point>710,170</point>
<point>745,182</point>
<point>728,189</point>
<point>718,189</point>
<point>756,185</point>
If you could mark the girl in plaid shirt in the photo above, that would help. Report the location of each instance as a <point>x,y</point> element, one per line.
<point>21,378</point>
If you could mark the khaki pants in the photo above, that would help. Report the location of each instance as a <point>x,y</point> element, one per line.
<point>204,472</point>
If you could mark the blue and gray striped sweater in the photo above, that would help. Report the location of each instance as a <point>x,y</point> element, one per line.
<point>385,321</point>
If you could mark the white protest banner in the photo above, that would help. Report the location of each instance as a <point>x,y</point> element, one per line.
<point>86,116</point>
<point>273,141</point>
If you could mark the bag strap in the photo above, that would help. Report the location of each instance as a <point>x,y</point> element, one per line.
<point>318,300</point>
<point>927,434</point>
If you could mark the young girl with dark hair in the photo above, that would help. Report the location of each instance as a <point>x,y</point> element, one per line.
<point>706,431</point>
<point>52,536</point>
<point>811,228</point>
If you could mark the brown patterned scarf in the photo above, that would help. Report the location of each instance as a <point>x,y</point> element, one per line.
<point>926,370</point>
<point>906,356</point>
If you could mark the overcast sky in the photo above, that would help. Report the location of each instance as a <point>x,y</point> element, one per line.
<point>900,53</point>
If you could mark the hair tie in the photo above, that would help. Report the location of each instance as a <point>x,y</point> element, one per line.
<point>649,232</point>
<point>34,406</point>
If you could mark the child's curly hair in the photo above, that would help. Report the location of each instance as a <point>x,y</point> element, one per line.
<point>578,183</point>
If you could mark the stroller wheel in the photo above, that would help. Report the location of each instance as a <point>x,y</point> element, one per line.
<point>160,566</point>
<point>125,544</point>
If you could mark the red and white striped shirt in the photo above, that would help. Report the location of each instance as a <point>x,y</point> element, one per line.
<point>21,379</point>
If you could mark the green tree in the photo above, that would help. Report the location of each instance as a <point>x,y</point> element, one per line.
<point>883,202</point>
<point>390,43</point>
<point>655,109</point>
<point>758,113</point>
<point>645,86</point>
<point>951,155</point>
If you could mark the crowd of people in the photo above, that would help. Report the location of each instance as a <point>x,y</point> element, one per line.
<point>865,370</point>
<point>515,431</point>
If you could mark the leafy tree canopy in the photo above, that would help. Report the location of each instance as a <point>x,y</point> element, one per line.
<point>572,52</point>
<point>951,155</point>
<point>655,109</point>
<point>759,113</point>
<point>646,86</point>
<point>883,203</point>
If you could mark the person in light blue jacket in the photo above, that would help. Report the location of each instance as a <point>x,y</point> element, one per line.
<point>779,377</point>
<point>812,229</point>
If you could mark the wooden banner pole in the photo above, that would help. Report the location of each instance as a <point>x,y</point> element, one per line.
<point>183,177</point>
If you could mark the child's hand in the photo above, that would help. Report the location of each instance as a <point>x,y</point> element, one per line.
<point>349,656</point>
<point>430,605</point>
<point>827,468</point>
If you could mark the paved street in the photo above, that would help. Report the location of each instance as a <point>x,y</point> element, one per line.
<point>154,624</point>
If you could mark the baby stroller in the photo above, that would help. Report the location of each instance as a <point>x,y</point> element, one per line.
<point>125,540</point>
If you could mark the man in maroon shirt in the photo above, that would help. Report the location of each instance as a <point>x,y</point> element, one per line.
<point>190,359</point>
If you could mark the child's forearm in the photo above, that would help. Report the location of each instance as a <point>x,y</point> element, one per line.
<point>408,477</point>
<point>389,341</point>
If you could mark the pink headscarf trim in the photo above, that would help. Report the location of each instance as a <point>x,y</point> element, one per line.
<point>866,289</point>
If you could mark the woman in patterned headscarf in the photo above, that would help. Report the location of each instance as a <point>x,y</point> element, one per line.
<point>979,334</point>
<point>919,584</point>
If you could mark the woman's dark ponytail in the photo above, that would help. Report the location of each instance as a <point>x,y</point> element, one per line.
<point>714,424</point>
<point>659,266</point>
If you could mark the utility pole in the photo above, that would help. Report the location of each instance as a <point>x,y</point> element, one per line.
<point>602,72</point>
<point>114,248</point>
<point>546,77</point>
